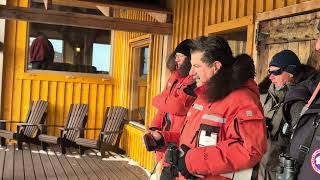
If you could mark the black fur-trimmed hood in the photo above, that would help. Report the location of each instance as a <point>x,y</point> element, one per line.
<point>230,78</point>
<point>305,72</point>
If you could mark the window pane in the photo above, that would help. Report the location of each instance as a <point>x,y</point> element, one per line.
<point>145,65</point>
<point>57,46</point>
<point>72,49</point>
<point>144,58</point>
<point>58,49</point>
<point>68,48</point>
<point>101,56</point>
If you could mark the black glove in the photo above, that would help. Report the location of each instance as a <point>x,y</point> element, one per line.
<point>190,89</point>
<point>151,144</point>
<point>182,162</point>
<point>154,129</point>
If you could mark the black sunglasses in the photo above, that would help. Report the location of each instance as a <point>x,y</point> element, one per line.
<point>275,72</point>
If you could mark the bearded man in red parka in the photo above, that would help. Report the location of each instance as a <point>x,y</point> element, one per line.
<point>224,133</point>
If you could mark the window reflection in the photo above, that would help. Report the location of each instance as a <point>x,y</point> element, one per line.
<point>65,48</point>
<point>144,58</point>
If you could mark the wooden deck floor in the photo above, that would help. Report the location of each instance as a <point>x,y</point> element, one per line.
<point>34,163</point>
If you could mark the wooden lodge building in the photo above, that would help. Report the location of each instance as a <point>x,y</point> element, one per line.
<point>113,53</point>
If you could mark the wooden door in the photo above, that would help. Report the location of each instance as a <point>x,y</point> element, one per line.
<point>139,56</point>
<point>297,33</point>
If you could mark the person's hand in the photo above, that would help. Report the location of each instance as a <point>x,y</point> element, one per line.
<point>156,135</point>
<point>153,140</point>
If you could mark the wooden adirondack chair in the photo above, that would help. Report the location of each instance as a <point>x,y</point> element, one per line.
<point>110,133</point>
<point>29,130</point>
<point>77,118</point>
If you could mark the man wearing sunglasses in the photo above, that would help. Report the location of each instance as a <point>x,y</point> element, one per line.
<point>304,143</point>
<point>285,72</point>
<point>283,67</point>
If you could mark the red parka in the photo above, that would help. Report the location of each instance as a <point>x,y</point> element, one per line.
<point>174,101</point>
<point>224,136</point>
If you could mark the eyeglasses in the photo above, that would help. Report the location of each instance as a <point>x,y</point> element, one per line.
<point>275,72</point>
<point>180,55</point>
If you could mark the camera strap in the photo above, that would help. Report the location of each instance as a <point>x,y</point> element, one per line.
<point>153,170</point>
<point>168,122</point>
<point>305,147</point>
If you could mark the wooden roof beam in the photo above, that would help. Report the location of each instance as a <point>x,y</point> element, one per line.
<point>113,4</point>
<point>104,10</point>
<point>83,20</point>
<point>163,18</point>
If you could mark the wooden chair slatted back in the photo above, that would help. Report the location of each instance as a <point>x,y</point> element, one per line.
<point>76,119</point>
<point>35,116</point>
<point>115,117</point>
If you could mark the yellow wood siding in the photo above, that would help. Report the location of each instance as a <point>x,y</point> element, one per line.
<point>60,89</point>
<point>214,12</point>
<point>131,141</point>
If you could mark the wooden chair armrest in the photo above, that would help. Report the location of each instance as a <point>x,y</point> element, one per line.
<point>110,132</point>
<point>85,129</point>
<point>21,126</point>
<point>67,129</point>
<point>26,124</point>
<point>50,125</point>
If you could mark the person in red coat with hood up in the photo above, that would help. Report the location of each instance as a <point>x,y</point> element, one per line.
<point>173,103</point>
<point>224,135</point>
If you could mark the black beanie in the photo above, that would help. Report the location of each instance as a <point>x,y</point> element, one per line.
<point>287,60</point>
<point>184,48</point>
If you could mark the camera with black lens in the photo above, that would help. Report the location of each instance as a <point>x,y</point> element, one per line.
<point>287,168</point>
<point>171,157</point>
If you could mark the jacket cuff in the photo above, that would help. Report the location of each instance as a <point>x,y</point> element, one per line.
<point>154,129</point>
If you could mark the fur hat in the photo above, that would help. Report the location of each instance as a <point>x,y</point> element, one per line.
<point>184,47</point>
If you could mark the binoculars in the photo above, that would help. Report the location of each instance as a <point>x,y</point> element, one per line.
<point>286,169</point>
<point>171,157</point>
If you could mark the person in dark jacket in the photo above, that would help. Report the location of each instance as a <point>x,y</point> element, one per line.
<point>302,121</point>
<point>41,52</point>
<point>285,72</point>
<point>304,85</point>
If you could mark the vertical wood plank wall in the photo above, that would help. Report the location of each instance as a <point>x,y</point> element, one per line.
<point>192,16</point>
<point>132,137</point>
<point>60,91</point>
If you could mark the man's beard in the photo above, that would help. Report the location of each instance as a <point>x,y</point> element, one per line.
<point>184,68</point>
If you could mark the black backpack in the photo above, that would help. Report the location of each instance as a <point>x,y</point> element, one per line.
<point>305,143</point>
